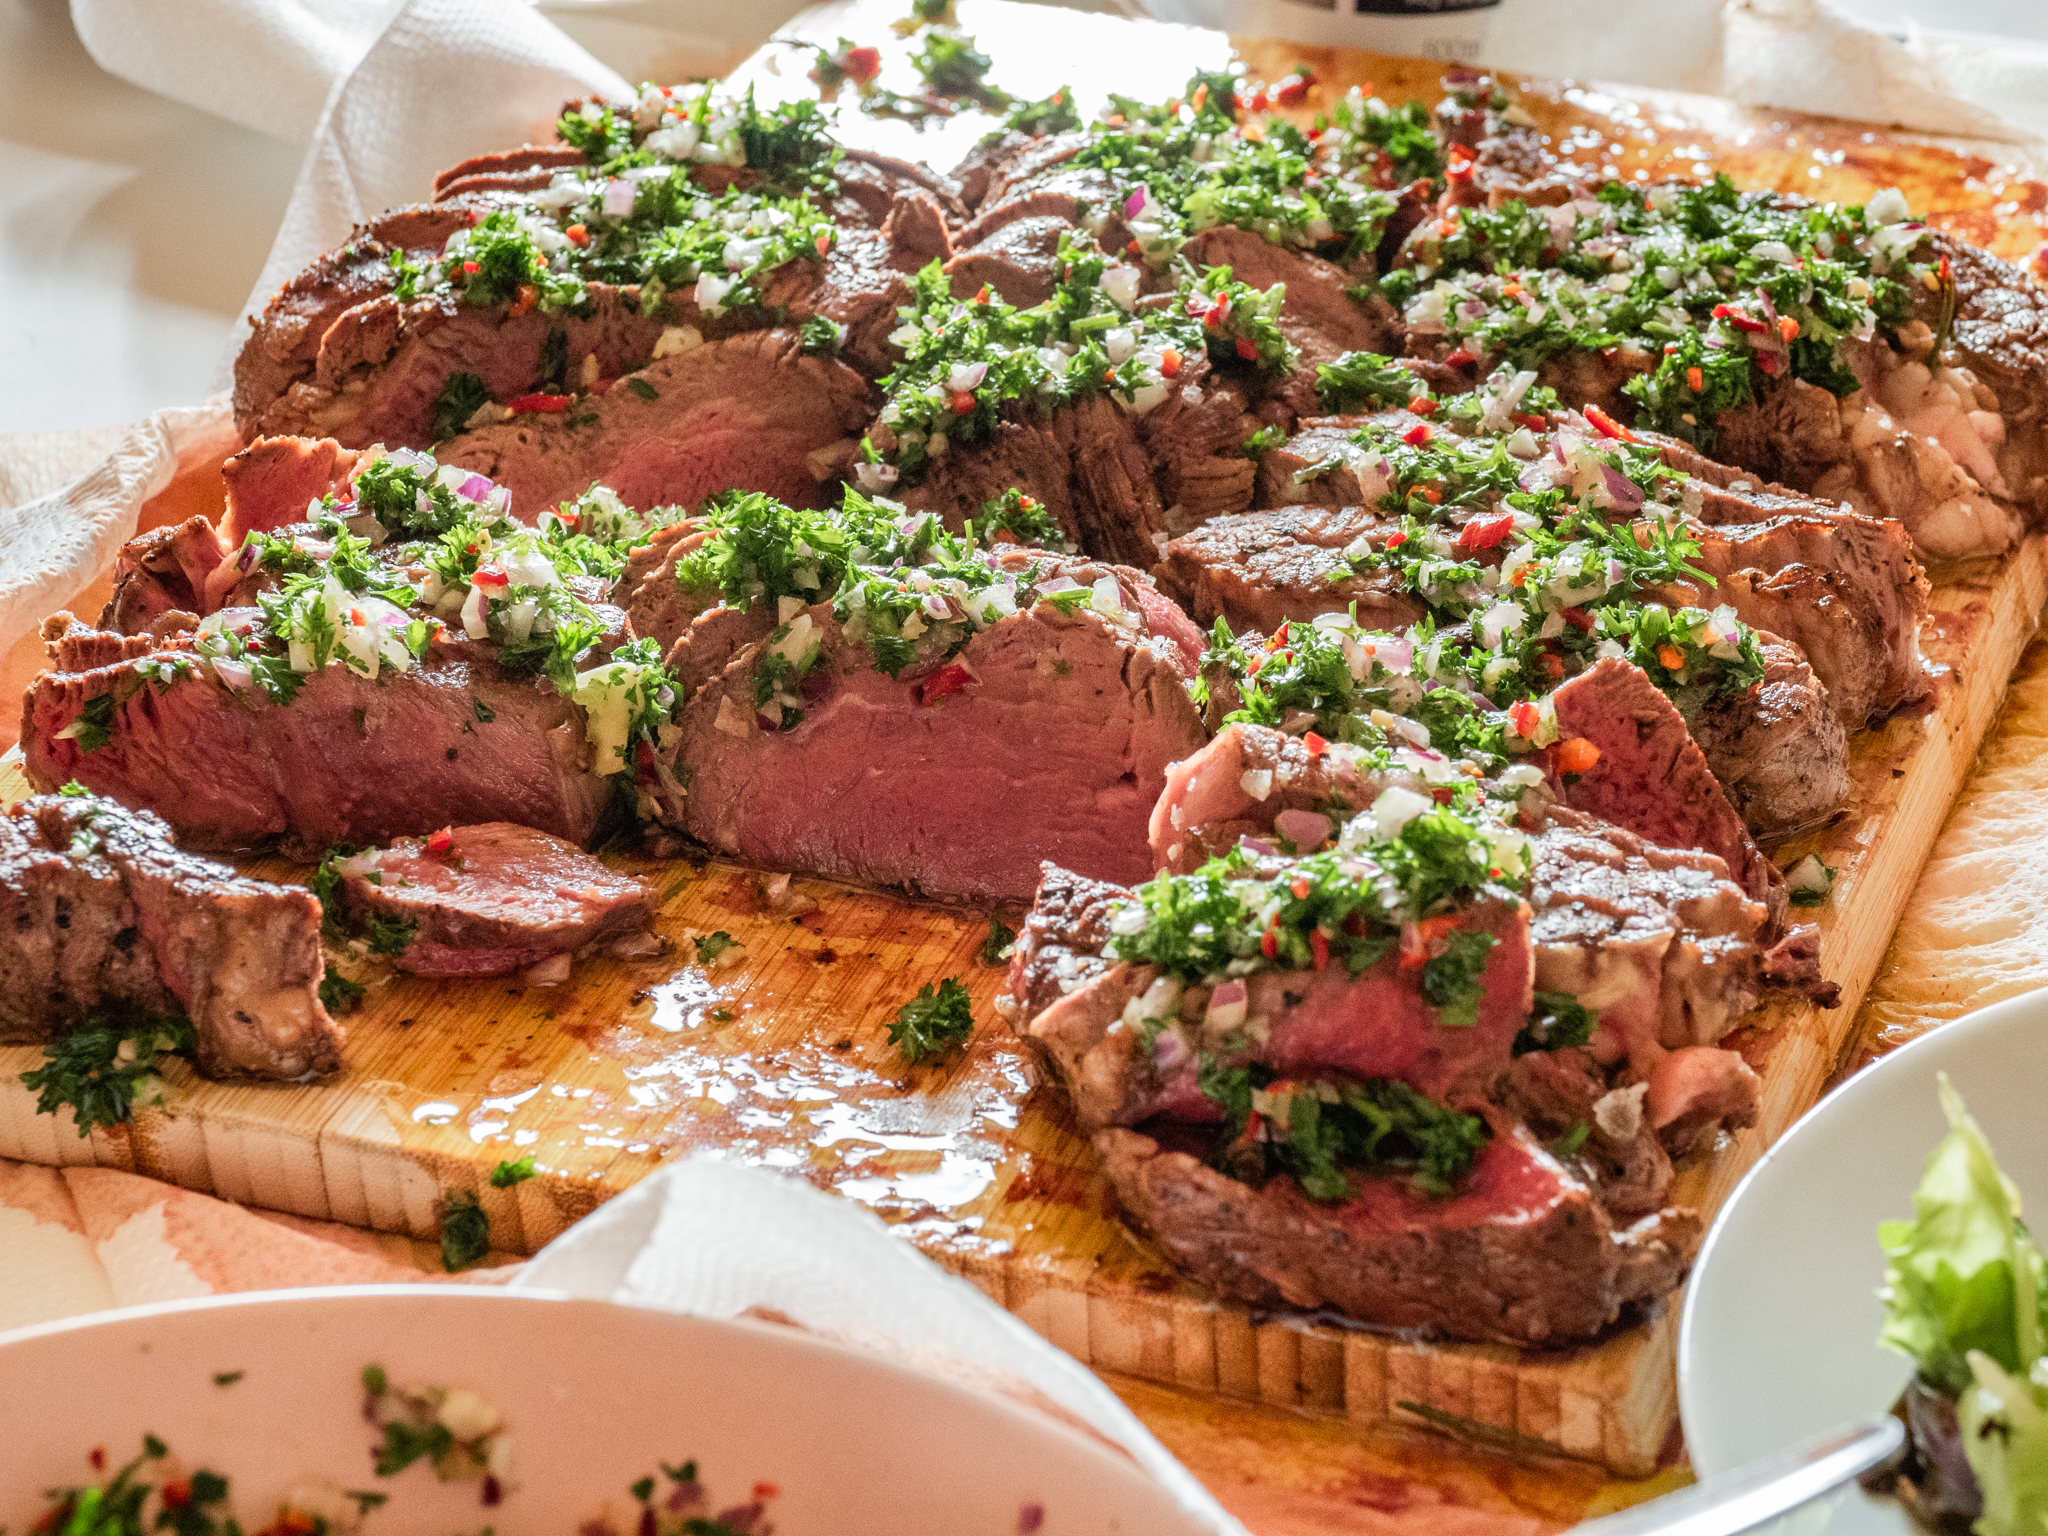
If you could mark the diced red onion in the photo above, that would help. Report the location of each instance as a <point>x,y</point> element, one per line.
<point>1259,846</point>
<point>1135,203</point>
<point>475,488</point>
<point>1307,830</point>
<point>233,674</point>
<point>1625,493</point>
<point>1395,652</point>
<point>937,606</point>
<point>966,377</point>
<point>1169,1050</point>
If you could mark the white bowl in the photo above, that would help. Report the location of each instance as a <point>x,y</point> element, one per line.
<point>1778,1340</point>
<point>594,1395</point>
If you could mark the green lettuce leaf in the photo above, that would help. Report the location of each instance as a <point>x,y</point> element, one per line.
<point>1963,1275</point>
<point>2004,1420</point>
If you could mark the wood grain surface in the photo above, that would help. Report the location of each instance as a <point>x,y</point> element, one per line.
<point>781,1058</point>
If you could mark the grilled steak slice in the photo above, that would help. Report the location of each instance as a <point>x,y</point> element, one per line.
<point>1656,939</point>
<point>1780,751</point>
<point>1651,777</point>
<point>1523,1254</point>
<point>272,481</point>
<point>1374,1024</point>
<point>1050,740</point>
<point>2000,335</point>
<point>1319,316</point>
<point>103,912</point>
<point>349,760</point>
<point>492,899</point>
<point>1256,570</point>
<point>1119,487</point>
<point>748,413</point>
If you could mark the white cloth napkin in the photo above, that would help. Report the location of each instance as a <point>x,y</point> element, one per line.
<point>390,92</point>
<point>717,1239</point>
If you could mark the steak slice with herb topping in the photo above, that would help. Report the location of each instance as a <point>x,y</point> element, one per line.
<point>458,740</point>
<point>102,914</point>
<point>1523,1253</point>
<point>484,900</point>
<point>1047,735</point>
<point>749,413</point>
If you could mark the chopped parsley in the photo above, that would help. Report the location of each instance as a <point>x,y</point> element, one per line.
<point>338,994</point>
<point>1052,114</point>
<point>711,945</point>
<point>1366,381</point>
<point>1314,1131</point>
<point>195,1505</point>
<point>953,67</point>
<point>1559,1022</point>
<point>461,398</point>
<point>1451,980</point>
<point>995,949</point>
<point>93,726</point>
<point>465,1233</point>
<point>933,1023</point>
<point>1346,906</point>
<point>104,1068</point>
<point>511,1172</point>
<point>1720,290</point>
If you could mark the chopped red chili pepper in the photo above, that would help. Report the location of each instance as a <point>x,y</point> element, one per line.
<point>577,234</point>
<point>440,842</point>
<point>1269,944</point>
<point>1607,426</point>
<point>1579,619</point>
<point>1247,350</point>
<point>962,402</point>
<point>538,402</point>
<point>950,678</point>
<point>1315,744</point>
<point>1418,434</point>
<point>1485,533</point>
<point>1319,946</point>
<point>1422,405</point>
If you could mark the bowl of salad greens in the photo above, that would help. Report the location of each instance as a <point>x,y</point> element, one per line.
<point>1878,1257</point>
<point>446,1411</point>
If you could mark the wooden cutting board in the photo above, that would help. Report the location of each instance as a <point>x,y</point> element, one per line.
<point>782,1059</point>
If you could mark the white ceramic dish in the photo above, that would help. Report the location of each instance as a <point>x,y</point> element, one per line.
<point>1779,1335</point>
<point>594,1395</point>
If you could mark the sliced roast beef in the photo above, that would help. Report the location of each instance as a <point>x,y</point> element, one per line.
<point>1523,1253</point>
<point>273,481</point>
<point>508,166</point>
<point>380,367</point>
<point>100,913</point>
<point>1651,778</point>
<point>2000,334</point>
<point>697,631</point>
<point>749,413</point>
<point>1017,260</point>
<point>1372,1025</point>
<point>1319,316</point>
<point>1256,570</point>
<point>1119,486</point>
<point>1048,736</point>
<point>481,901</point>
<point>1779,751</point>
<point>1657,939</point>
<point>457,740</point>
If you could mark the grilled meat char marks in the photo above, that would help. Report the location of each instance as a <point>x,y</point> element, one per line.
<point>964,794</point>
<point>349,760</point>
<point>104,914</point>
<point>485,900</point>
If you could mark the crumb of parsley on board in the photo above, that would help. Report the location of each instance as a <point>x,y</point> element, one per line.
<point>934,1022</point>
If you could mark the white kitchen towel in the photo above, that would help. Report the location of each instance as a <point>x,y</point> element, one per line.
<point>403,92</point>
<point>56,546</point>
<point>718,1239</point>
